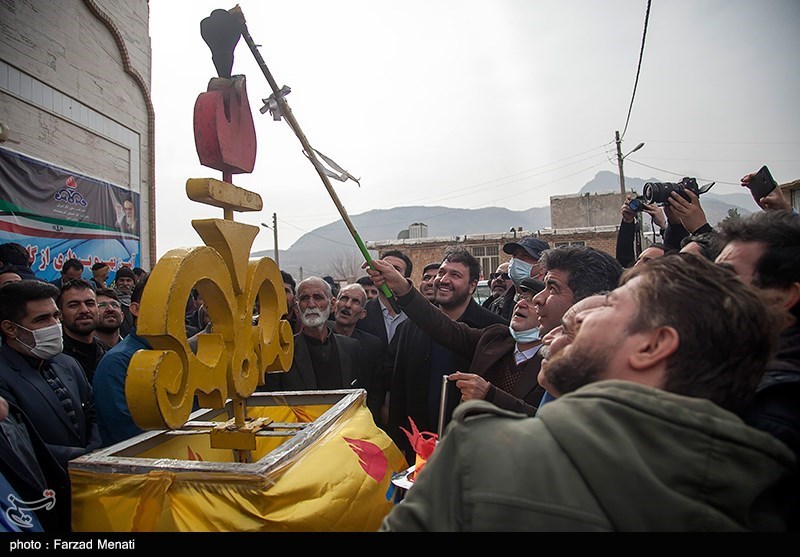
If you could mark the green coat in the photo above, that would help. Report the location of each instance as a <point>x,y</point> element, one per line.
<point>612,456</point>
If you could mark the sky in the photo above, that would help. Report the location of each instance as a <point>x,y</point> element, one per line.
<point>471,104</point>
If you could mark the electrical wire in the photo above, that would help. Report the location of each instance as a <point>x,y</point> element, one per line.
<point>638,69</point>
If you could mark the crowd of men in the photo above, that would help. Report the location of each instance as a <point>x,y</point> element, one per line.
<point>590,392</point>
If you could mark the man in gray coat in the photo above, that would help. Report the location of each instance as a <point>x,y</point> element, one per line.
<point>643,436</point>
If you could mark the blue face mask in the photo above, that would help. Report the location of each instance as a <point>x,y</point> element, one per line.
<point>518,270</point>
<point>531,335</point>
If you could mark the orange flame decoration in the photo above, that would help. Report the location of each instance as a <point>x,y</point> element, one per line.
<point>423,443</point>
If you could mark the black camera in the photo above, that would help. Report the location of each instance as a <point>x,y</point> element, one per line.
<point>659,192</point>
<point>636,204</point>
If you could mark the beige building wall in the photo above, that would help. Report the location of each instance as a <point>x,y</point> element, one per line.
<point>75,92</point>
<point>585,210</point>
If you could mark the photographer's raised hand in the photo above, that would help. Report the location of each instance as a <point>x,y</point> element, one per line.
<point>657,214</point>
<point>627,214</point>
<point>690,213</point>
<point>773,201</point>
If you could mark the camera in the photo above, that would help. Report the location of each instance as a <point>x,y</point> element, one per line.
<point>659,192</point>
<point>636,204</point>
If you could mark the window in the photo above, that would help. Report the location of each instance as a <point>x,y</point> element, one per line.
<point>487,256</point>
<point>570,244</point>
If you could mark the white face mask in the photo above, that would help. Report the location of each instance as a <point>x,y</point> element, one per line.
<point>518,270</point>
<point>531,335</point>
<point>47,342</point>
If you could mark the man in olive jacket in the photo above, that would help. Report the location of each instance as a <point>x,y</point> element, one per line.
<point>643,436</point>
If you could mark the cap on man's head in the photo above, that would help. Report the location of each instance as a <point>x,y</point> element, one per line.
<point>125,272</point>
<point>531,244</point>
<point>531,285</point>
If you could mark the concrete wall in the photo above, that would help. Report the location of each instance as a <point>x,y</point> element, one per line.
<point>75,91</point>
<point>586,210</point>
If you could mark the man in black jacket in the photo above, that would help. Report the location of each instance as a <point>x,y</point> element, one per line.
<point>764,250</point>
<point>420,363</point>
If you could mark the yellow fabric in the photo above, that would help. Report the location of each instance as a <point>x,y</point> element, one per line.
<point>341,483</point>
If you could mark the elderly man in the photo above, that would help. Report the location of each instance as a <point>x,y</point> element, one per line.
<point>50,387</point>
<point>323,360</point>
<point>499,281</point>
<point>350,310</point>
<point>644,436</point>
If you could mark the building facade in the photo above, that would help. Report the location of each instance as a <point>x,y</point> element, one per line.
<point>77,134</point>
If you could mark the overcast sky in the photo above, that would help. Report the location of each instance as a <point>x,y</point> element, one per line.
<point>470,104</point>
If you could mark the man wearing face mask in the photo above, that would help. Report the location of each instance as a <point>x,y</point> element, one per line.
<point>524,263</point>
<point>50,387</point>
<point>504,360</point>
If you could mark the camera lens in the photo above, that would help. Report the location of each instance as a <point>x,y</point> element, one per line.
<point>636,205</point>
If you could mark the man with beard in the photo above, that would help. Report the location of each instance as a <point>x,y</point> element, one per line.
<point>502,361</point>
<point>349,310</point>
<point>78,304</point>
<point>420,360</point>
<point>644,435</point>
<point>323,360</point>
<point>110,317</point>
<point>764,250</point>
<point>48,386</point>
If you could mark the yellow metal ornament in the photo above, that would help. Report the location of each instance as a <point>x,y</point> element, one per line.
<point>230,361</point>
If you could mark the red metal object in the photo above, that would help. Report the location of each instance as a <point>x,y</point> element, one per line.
<point>224,132</point>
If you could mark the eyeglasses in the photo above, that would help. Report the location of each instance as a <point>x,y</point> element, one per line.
<point>504,276</point>
<point>103,305</point>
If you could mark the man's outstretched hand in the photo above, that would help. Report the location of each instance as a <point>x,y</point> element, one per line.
<point>384,272</point>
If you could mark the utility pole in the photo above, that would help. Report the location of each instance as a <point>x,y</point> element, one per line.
<point>274,228</point>
<point>619,162</point>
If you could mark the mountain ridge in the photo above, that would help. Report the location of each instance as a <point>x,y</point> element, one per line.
<point>318,251</point>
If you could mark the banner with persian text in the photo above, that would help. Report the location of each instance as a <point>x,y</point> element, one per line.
<point>58,215</point>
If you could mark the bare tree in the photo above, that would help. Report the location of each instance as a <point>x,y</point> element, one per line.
<point>346,265</point>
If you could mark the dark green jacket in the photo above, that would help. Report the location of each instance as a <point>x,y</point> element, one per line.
<point>612,456</point>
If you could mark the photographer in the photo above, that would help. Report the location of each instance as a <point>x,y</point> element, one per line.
<point>627,229</point>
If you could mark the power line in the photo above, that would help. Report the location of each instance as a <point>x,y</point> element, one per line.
<point>638,68</point>
<point>682,174</point>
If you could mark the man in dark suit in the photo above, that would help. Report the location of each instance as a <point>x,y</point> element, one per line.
<point>349,310</point>
<point>322,359</point>
<point>420,360</point>
<point>50,387</point>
